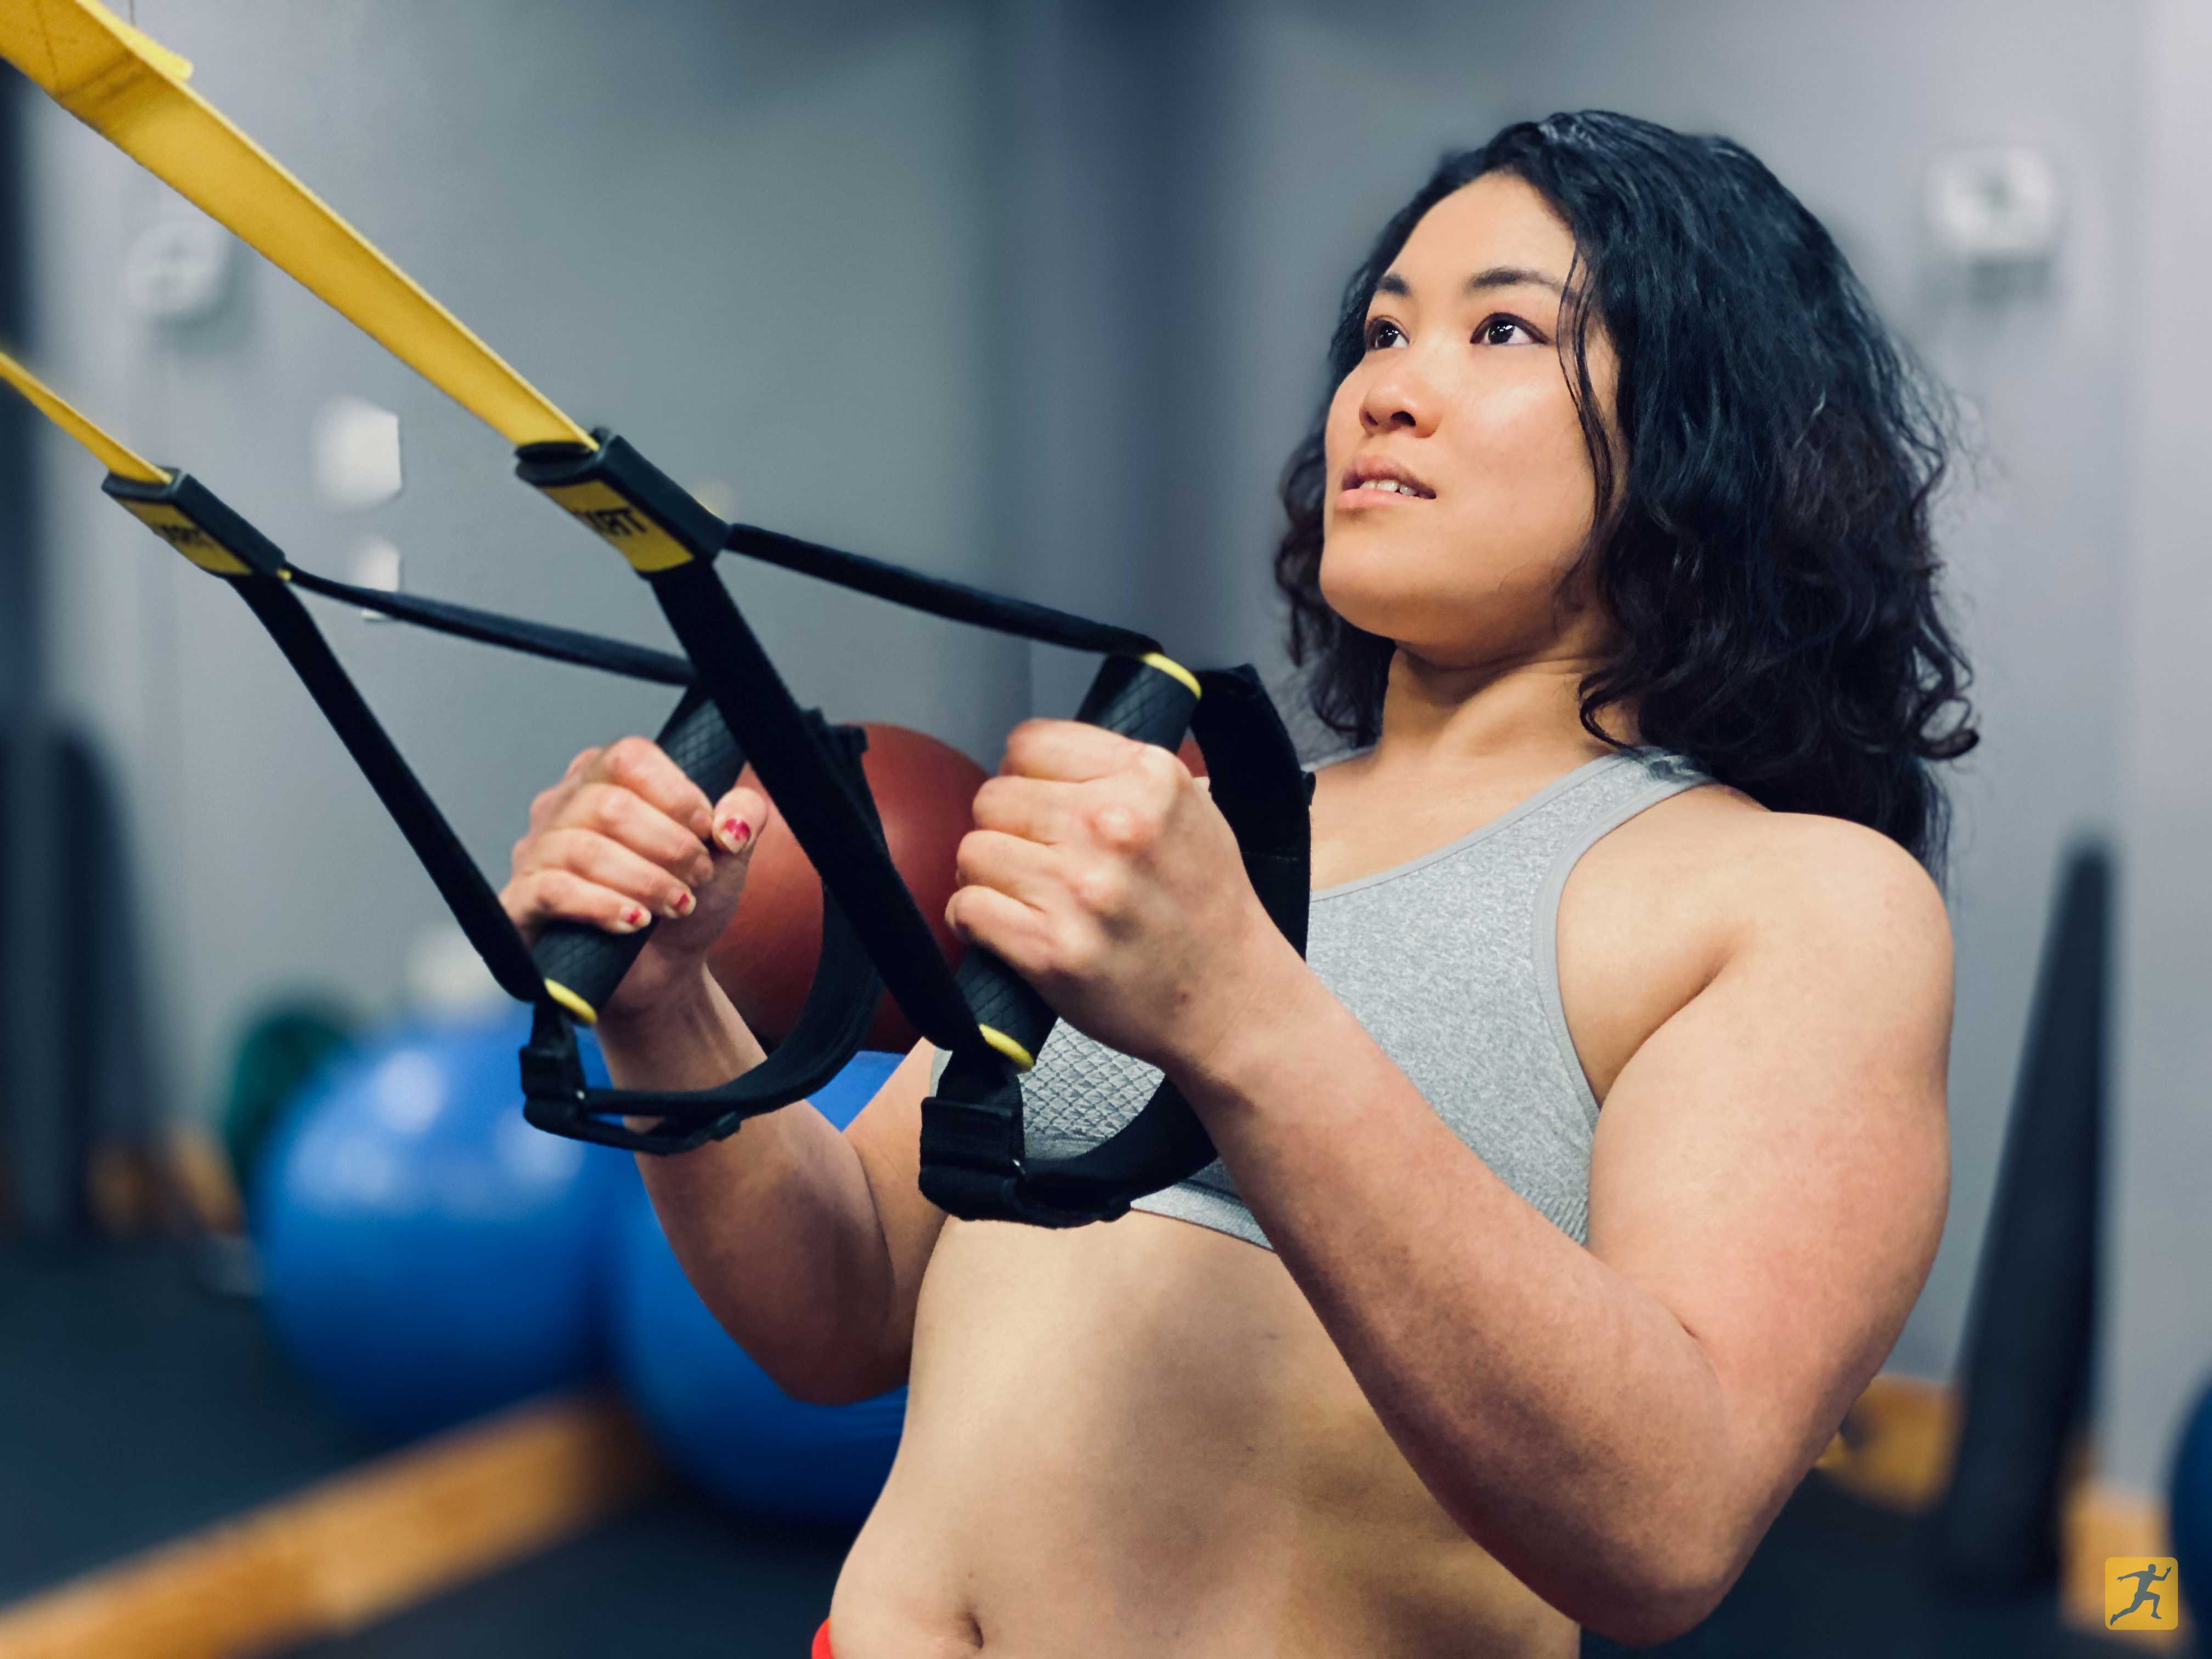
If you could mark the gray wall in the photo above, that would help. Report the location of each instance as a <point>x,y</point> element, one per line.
<point>1037,292</point>
<point>2159,1349</point>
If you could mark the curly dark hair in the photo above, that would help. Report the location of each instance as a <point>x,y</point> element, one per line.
<point>1766,553</point>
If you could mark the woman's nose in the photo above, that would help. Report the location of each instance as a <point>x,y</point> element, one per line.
<point>1399,398</point>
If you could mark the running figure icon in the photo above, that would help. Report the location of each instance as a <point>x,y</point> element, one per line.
<point>2144,1577</point>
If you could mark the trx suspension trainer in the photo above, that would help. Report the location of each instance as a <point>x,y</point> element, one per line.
<point>991,1022</point>
<point>189,516</point>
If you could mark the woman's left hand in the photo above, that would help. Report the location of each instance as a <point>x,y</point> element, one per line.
<point>1102,873</point>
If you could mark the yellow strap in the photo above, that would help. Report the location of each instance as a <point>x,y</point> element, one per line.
<point>111,455</point>
<point>132,91</point>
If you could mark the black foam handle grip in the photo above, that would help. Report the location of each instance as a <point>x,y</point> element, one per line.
<point>1150,699</point>
<point>582,965</point>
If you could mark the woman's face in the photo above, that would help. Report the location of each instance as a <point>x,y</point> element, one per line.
<point>1462,398</point>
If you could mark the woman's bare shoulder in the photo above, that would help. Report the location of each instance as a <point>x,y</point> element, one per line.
<point>1658,909</point>
<point>1743,860</point>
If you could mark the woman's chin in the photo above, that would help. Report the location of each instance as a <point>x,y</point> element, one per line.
<point>1389,608</point>
<point>1387,591</point>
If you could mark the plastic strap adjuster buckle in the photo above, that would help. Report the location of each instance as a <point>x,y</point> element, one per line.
<point>625,500</point>
<point>552,1070</point>
<point>191,517</point>
<point>972,1137</point>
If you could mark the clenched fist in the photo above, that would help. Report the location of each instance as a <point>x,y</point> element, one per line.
<point>624,838</point>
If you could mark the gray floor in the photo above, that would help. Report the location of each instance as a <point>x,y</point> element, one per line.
<point>135,1407</point>
<point>677,1579</point>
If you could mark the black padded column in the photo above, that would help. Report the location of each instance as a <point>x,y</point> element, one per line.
<point>2025,1379</point>
<point>41,1153</point>
<point>19,665</point>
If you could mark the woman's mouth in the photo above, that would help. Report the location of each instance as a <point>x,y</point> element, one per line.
<point>1371,479</point>
<point>1375,492</point>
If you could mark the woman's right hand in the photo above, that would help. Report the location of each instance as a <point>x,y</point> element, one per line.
<point>625,837</point>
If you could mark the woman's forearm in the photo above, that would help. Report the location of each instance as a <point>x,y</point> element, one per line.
<point>774,1225</point>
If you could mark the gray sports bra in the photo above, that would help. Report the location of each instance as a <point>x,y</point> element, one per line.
<point>1450,962</point>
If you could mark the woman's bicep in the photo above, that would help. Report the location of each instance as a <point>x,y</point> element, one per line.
<point>1772,1163</point>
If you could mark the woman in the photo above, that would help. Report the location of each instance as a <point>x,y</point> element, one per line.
<point>1578,1179</point>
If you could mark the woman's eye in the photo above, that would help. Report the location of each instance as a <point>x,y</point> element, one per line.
<point>1382,332</point>
<point>1498,332</point>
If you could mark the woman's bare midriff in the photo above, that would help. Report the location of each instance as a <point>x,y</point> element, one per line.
<point>1137,1439</point>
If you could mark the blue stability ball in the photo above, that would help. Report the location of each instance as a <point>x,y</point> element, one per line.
<point>2193,1506</point>
<point>426,1255</point>
<point>712,1411</point>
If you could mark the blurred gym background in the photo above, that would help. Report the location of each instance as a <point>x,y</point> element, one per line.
<point>1032,293</point>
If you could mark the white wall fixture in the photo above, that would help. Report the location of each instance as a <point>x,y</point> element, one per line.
<point>178,269</point>
<point>356,455</point>
<point>375,563</point>
<point>1994,206</point>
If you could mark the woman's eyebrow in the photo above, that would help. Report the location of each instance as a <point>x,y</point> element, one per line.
<point>1482,281</point>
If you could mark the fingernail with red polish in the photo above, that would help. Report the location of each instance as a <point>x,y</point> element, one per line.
<point>735,833</point>
<point>634,917</point>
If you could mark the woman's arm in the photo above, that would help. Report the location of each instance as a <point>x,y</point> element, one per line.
<point>1619,1425</point>
<point>810,1258</point>
<point>789,1231</point>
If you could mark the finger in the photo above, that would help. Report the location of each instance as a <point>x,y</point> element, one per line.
<point>642,767</point>
<point>625,815</point>
<point>1030,875</point>
<point>1070,750</point>
<point>739,817</point>
<point>595,858</point>
<point>1037,809</point>
<point>1006,928</point>
<point>549,896</point>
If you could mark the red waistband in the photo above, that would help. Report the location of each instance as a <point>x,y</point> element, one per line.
<point>822,1643</point>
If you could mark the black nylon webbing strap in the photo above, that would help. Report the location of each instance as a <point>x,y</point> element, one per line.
<point>820,812</point>
<point>454,873</point>
<point>634,662</point>
<point>955,601</point>
<point>192,520</point>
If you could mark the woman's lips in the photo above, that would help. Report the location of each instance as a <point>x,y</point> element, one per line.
<point>1366,495</point>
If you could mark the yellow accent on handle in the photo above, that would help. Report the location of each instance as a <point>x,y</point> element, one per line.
<point>574,1003</point>
<point>110,453</point>
<point>1022,1059</point>
<point>1173,669</point>
<point>132,91</point>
